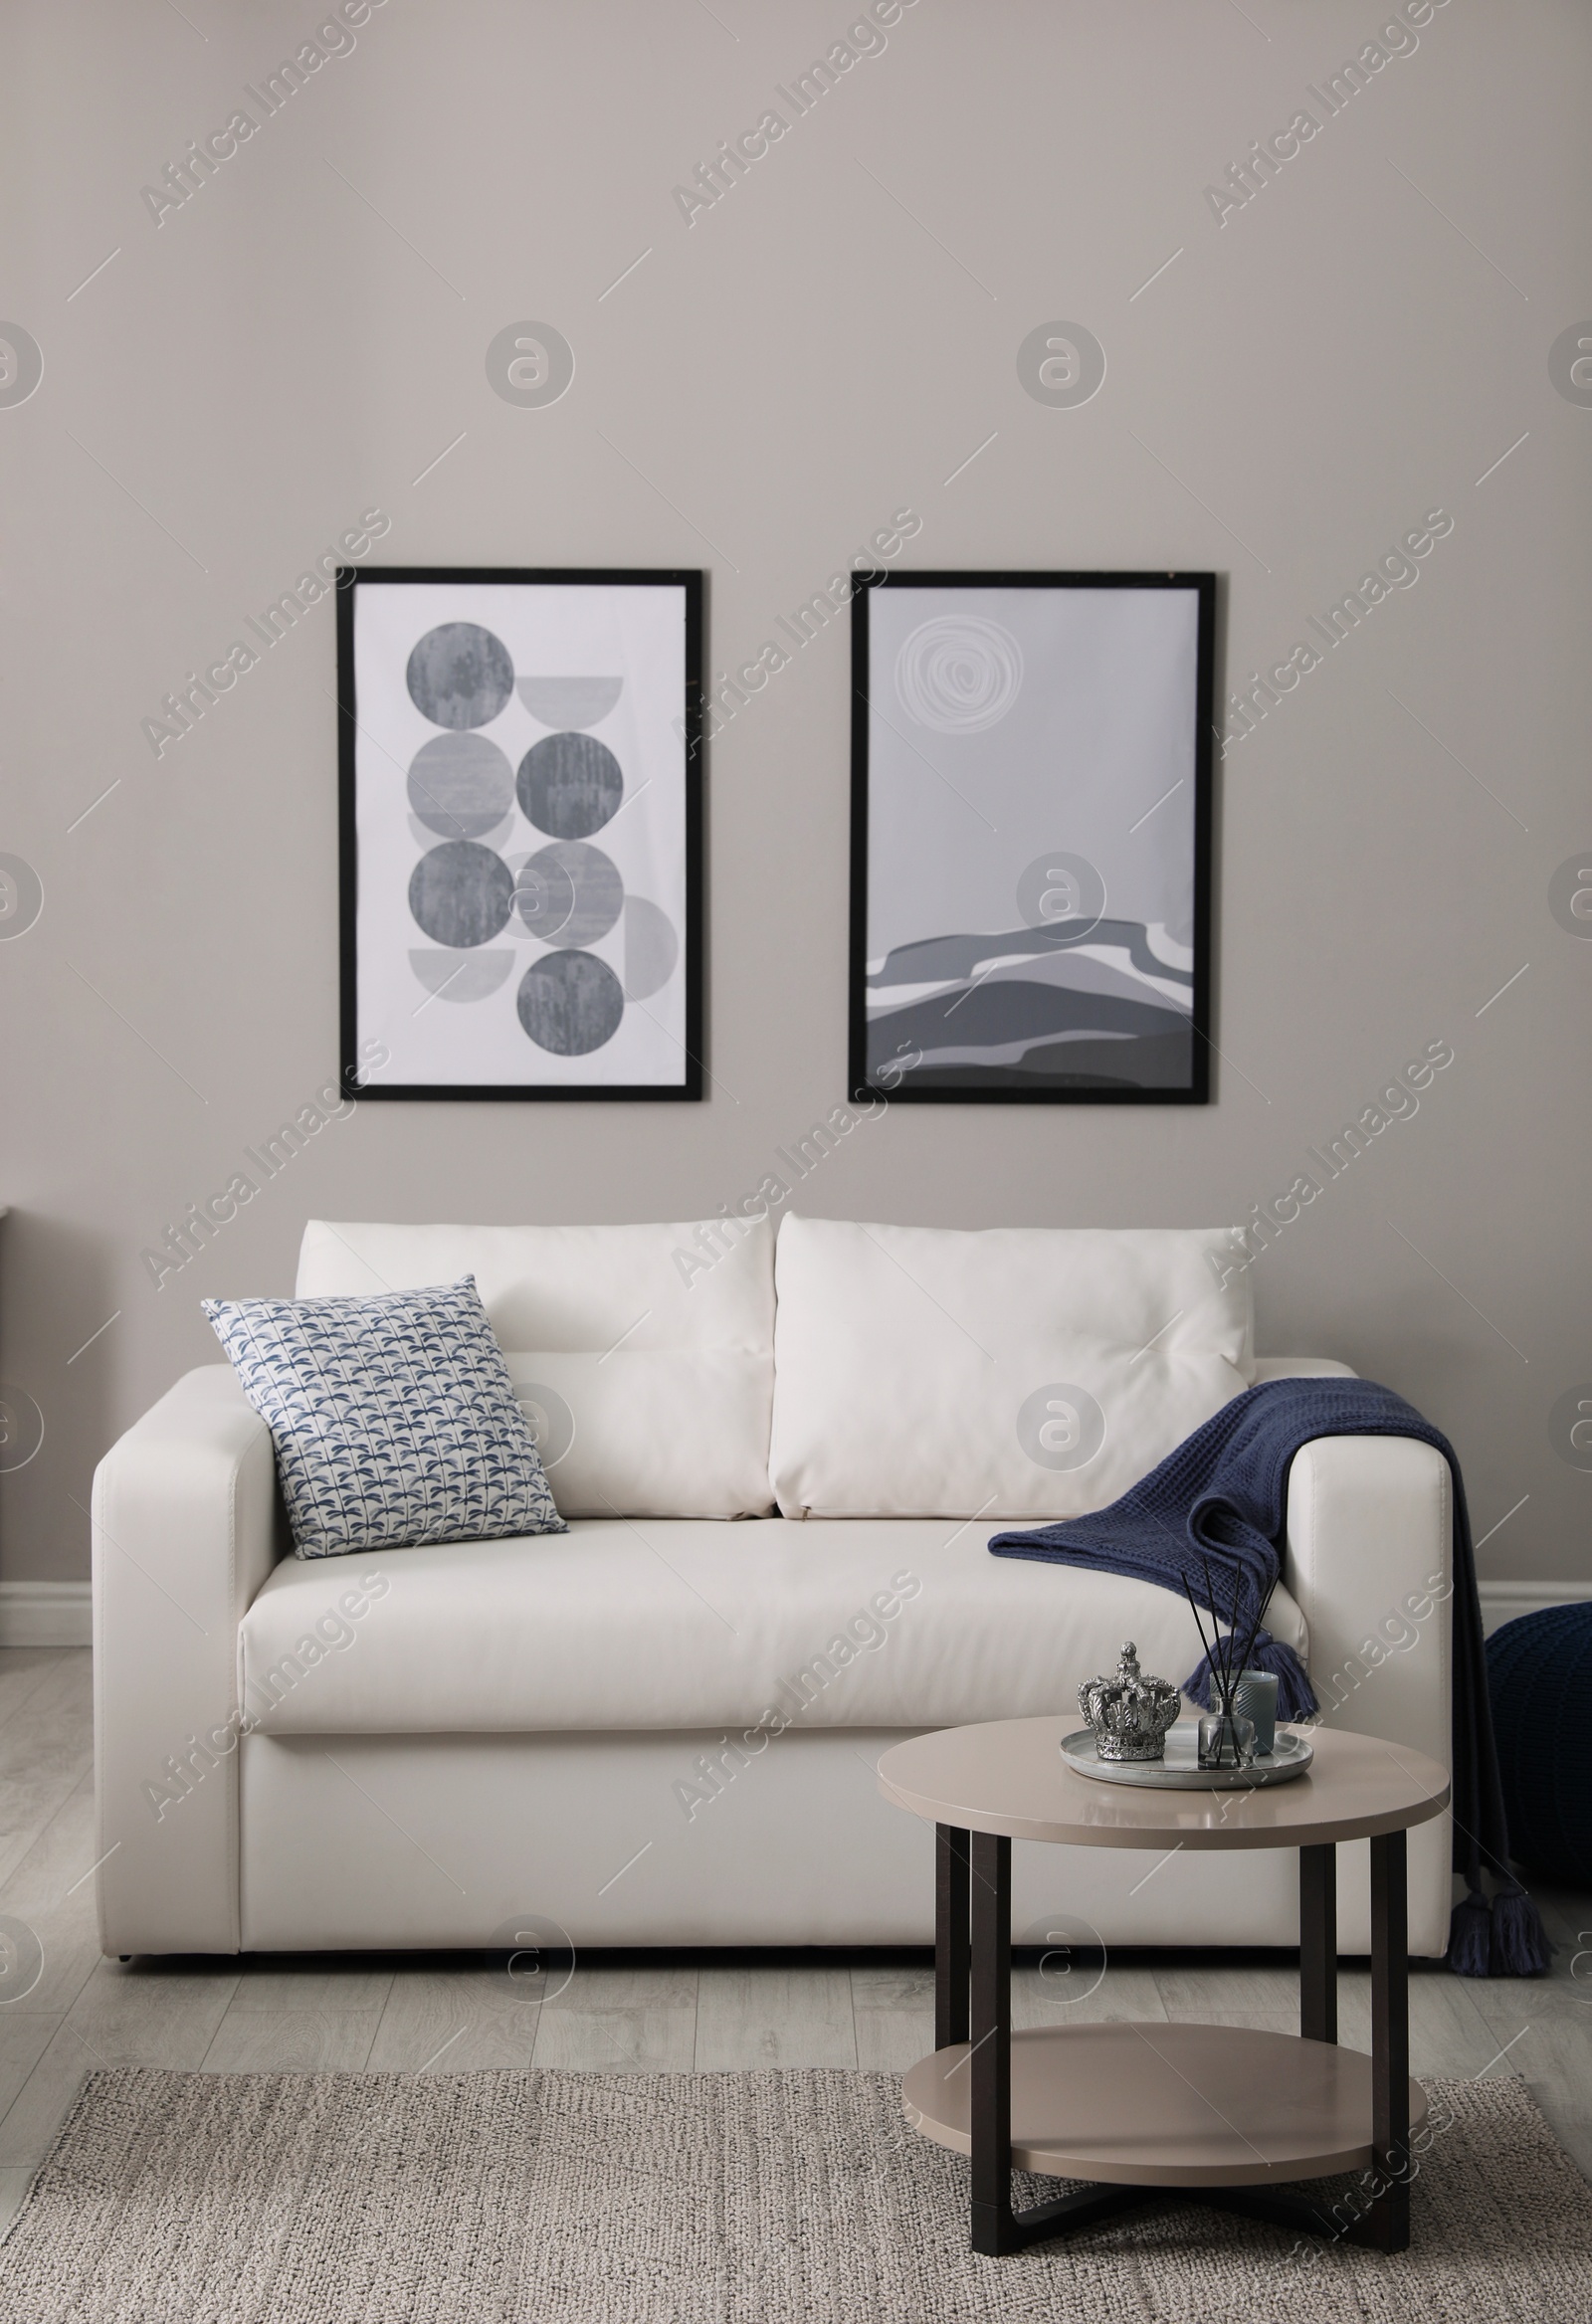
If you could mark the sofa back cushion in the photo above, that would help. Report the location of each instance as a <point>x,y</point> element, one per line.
<point>1009,1372</point>
<point>648,1380</point>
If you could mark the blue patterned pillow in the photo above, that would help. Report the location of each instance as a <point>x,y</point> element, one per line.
<point>394,1419</point>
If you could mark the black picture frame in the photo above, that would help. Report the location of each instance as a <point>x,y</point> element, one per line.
<point>911,1087</point>
<point>352,579</point>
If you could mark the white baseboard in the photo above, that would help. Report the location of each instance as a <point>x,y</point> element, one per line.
<point>1502,1601</point>
<point>45,1613</point>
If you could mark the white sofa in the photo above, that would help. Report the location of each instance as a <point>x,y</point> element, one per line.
<point>662,1727</point>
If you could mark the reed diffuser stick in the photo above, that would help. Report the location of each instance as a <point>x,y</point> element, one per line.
<point>1255,1630</point>
<point>1207,1651</point>
<point>1222,1651</point>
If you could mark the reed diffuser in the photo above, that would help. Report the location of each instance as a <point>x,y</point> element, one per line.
<point>1226,1737</point>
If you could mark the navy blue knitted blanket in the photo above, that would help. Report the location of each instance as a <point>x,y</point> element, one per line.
<point>1222,1496</point>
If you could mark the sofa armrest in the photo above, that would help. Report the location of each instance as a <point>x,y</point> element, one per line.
<point>187,1524</point>
<point>1369,1559</point>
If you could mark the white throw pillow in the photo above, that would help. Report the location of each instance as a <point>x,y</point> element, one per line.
<point>1004,1373</point>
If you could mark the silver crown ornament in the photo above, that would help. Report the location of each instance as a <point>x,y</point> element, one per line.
<point>1129,1712</point>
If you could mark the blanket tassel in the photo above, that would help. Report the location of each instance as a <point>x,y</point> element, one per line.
<point>1469,1951</point>
<point>1520,1946</point>
<point>1502,1939</point>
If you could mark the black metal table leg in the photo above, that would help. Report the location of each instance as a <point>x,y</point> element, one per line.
<point>997,2229</point>
<point>1386,2226</point>
<point>950,1935</point>
<point>990,2064</point>
<point>1319,1943</point>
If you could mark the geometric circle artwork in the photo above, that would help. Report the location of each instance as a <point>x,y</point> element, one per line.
<point>569,701</point>
<point>544,896</point>
<point>498,837</point>
<point>958,675</point>
<point>461,895</point>
<point>584,876</point>
<point>569,785</point>
<point>496,725</point>
<point>461,976</point>
<point>459,676</point>
<point>651,948</point>
<point>570,1003</point>
<point>461,785</point>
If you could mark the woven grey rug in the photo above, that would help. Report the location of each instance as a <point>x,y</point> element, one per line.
<point>739,2198</point>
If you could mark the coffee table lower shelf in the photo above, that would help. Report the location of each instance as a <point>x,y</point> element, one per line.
<point>1190,2109</point>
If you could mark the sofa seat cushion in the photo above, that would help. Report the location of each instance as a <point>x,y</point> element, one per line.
<point>691,1624</point>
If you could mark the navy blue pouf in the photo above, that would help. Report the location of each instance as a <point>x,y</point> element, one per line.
<point>1539,1676</point>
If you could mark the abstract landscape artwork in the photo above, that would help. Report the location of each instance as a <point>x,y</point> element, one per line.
<point>520,829</point>
<point>1031,837</point>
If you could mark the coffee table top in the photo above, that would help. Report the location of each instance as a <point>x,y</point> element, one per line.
<point>1009,1777</point>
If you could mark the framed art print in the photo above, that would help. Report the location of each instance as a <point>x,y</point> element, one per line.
<point>1031,771</point>
<point>521,833</point>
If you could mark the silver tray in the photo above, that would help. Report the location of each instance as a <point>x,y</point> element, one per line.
<point>1180,1770</point>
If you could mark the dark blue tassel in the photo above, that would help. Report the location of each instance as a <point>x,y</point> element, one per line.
<point>1295,1698</point>
<point>1520,1946</point>
<point>1470,1952</point>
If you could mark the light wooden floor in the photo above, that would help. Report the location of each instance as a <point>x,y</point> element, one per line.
<point>394,2013</point>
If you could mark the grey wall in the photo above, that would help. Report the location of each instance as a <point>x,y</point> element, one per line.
<point>1308,378</point>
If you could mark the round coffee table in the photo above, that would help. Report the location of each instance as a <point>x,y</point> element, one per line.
<point>1217,2114</point>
